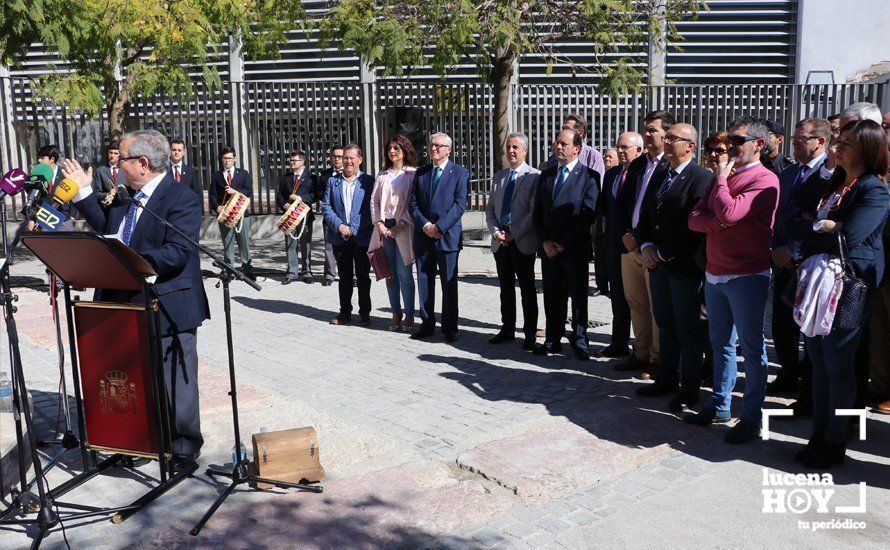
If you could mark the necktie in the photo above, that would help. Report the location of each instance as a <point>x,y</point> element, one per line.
<point>114,173</point>
<point>177,174</point>
<point>130,220</point>
<point>229,177</point>
<point>621,182</point>
<point>296,179</point>
<point>563,174</point>
<point>800,179</point>
<point>437,175</point>
<point>506,214</point>
<point>665,187</point>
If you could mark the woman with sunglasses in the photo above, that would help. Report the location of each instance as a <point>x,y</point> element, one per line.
<point>395,228</point>
<point>716,150</point>
<point>854,203</point>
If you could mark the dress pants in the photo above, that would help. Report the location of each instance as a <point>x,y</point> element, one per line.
<point>430,263</point>
<point>879,352</point>
<point>600,265</point>
<point>353,263</point>
<point>676,306</point>
<point>565,276</point>
<point>635,277</point>
<point>230,237</point>
<point>512,266</point>
<point>180,357</point>
<point>299,253</point>
<point>786,332</point>
<point>330,262</point>
<point>620,309</point>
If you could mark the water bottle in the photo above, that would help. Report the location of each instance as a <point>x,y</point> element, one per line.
<point>240,453</point>
<point>5,393</point>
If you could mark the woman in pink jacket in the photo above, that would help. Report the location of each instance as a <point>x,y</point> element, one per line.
<point>394,227</point>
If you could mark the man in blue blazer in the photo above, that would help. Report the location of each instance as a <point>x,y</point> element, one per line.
<point>564,212</point>
<point>347,211</point>
<point>145,159</point>
<point>224,183</point>
<point>438,201</point>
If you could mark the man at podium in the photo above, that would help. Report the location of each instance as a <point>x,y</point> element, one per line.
<point>145,161</point>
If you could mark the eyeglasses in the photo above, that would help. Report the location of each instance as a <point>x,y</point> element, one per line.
<point>227,159</point>
<point>125,159</point>
<point>738,141</point>
<point>294,161</point>
<point>885,125</point>
<point>671,139</point>
<point>803,137</point>
<point>438,146</point>
<point>627,147</point>
<point>715,151</point>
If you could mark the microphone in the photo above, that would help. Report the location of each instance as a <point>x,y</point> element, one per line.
<point>46,216</point>
<point>38,185</point>
<point>12,182</point>
<point>123,194</point>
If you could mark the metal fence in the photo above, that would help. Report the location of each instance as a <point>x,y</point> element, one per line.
<point>264,121</point>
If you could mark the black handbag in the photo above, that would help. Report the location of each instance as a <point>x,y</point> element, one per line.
<point>852,301</point>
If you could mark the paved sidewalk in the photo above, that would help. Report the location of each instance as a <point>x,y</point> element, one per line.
<point>448,445</point>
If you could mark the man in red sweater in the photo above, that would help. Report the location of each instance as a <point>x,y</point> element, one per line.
<point>736,215</point>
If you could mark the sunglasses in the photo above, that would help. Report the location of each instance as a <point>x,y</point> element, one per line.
<point>715,151</point>
<point>738,141</point>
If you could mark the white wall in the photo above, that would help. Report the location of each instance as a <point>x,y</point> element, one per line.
<point>845,36</point>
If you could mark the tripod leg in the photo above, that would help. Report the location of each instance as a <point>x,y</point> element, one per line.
<point>154,493</point>
<point>219,500</point>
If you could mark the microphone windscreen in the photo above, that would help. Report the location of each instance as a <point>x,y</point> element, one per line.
<point>65,191</point>
<point>13,181</point>
<point>44,170</point>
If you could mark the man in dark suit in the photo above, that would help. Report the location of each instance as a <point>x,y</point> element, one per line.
<point>564,211</point>
<point>107,177</point>
<point>630,146</point>
<point>798,184</point>
<point>675,257</point>
<point>145,159</point>
<point>634,274</point>
<point>772,156</point>
<point>324,179</point>
<point>438,201</point>
<point>347,210</point>
<point>182,172</point>
<point>224,183</point>
<point>298,182</point>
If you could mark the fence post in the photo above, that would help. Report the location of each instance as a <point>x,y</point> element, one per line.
<point>370,123</point>
<point>10,150</point>
<point>236,102</point>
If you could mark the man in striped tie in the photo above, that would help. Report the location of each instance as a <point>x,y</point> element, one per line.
<point>674,256</point>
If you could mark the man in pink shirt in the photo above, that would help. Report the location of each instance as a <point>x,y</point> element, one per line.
<point>736,215</point>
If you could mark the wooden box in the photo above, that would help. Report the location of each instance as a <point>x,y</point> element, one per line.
<point>287,455</point>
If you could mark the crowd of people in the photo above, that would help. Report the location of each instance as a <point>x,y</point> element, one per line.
<point>687,234</point>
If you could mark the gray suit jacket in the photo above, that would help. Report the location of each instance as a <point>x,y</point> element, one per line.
<point>522,226</point>
<point>102,180</point>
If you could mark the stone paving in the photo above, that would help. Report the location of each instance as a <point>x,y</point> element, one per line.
<point>429,444</point>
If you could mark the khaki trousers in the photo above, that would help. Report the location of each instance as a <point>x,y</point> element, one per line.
<point>639,297</point>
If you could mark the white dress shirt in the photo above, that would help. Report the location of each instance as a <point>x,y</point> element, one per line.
<point>348,189</point>
<point>147,190</point>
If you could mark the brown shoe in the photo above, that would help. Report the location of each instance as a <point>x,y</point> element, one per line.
<point>632,363</point>
<point>341,319</point>
<point>650,372</point>
<point>883,408</point>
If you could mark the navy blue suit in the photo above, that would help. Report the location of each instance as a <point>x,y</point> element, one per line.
<point>188,177</point>
<point>351,254</point>
<point>179,288</point>
<point>439,256</point>
<point>566,220</point>
<point>607,206</point>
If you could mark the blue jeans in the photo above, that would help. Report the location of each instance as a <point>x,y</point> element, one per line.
<point>676,306</point>
<point>735,312</point>
<point>403,281</point>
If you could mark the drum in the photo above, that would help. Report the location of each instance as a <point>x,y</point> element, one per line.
<point>233,211</point>
<point>295,213</point>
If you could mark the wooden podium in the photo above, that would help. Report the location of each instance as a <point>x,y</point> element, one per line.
<point>116,361</point>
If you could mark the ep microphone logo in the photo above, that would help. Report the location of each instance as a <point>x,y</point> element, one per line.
<point>48,218</point>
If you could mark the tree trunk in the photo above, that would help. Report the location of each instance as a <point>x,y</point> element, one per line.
<point>117,103</point>
<point>501,77</point>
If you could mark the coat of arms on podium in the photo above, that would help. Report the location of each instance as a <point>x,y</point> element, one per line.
<point>117,395</point>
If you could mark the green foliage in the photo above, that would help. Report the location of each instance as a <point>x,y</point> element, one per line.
<point>155,44</point>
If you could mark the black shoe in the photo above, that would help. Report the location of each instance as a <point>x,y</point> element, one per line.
<point>528,344</point>
<point>708,416</point>
<point>656,390</point>
<point>247,269</point>
<point>287,281</point>
<point>450,336</point>
<point>677,403</point>
<point>581,354</point>
<point>743,432</point>
<point>801,410</point>
<point>826,455</point>
<point>180,461</point>
<point>134,461</point>
<point>782,384</point>
<point>308,279</point>
<point>614,350</point>
<point>547,347</point>
<point>365,320</point>
<point>327,282</point>
<point>422,332</point>
<point>502,336</point>
<point>341,319</point>
<point>806,453</point>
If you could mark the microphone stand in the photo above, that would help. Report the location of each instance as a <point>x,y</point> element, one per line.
<point>240,473</point>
